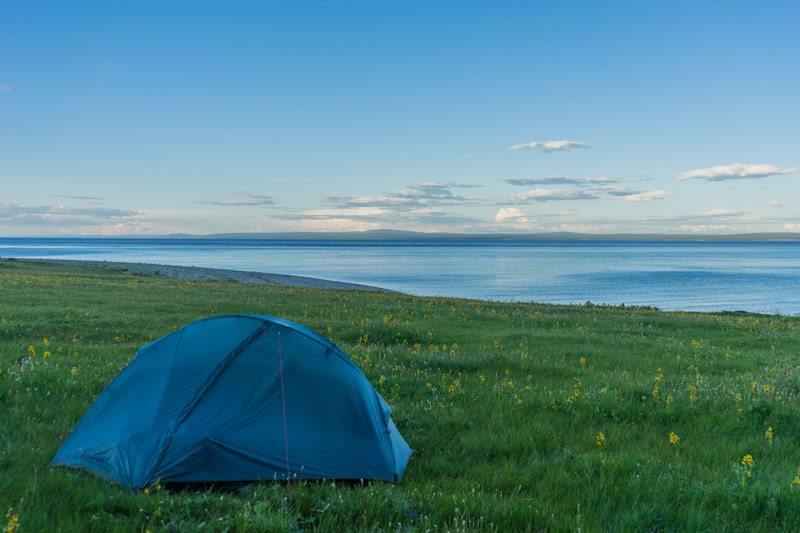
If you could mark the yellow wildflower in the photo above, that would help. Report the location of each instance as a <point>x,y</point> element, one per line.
<point>46,342</point>
<point>693,392</point>
<point>669,399</point>
<point>796,480</point>
<point>769,434</point>
<point>583,361</point>
<point>46,354</point>
<point>601,439</point>
<point>747,460</point>
<point>13,522</point>
<point>673,437</point>
<point>32,350</point>
<point>74,370</point>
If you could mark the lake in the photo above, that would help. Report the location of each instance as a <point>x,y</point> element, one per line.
<point>694,276</point>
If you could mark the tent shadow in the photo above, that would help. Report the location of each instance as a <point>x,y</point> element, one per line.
<point>236,487</point>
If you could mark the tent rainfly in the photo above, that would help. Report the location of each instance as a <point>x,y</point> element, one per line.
<point>238,398</point>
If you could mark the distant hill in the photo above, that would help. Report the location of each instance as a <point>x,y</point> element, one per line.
<point>399,235</point>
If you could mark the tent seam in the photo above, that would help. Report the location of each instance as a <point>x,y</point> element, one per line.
<point>201,392</point>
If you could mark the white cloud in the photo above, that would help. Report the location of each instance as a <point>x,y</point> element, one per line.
<point>344,212</point>
<point>244,199</point>
<point>336,224</point>
<point>791,227</point>
<point>548,195</point>
<point>646,196</point>
<point>718,212</point>
<point>735,171</point>
<point>561,180</point>
<point>549,146</point>
<point>77,197</point>
<point>510,214</point>
<point>432,193</point>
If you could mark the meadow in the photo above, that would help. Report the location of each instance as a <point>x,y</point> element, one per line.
<point>522,416</point>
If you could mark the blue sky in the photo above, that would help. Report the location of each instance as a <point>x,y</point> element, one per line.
<point>201,117</point>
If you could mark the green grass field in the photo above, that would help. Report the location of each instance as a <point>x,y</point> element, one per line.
<point>522,416</point>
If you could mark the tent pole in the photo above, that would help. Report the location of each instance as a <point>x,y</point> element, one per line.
<point>285,426</point>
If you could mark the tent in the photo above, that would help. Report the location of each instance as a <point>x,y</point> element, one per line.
<point>238,398</point>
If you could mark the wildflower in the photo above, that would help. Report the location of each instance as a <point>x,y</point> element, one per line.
<point>13,522</point>
<point>697,344</point>
<point>32,350</point>
<point>768,434</point>
<point>656,392</point>
<point>746,468</point>
<point>381,379</point>
<point>600,439</point>
<point>46,342</point>
<point>693,392</point>
<point>673,438</point>
<point>46,354</point>
<point>796,480</point>
<point>517,398</point>
<point>482,378</point>
<point>583,361</point>
<point>669,399</point>
<point>74,370</point>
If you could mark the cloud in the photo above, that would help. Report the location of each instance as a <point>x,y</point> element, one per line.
<point>557,195</point>
<point>413,207</point>
<point>791,227</point>
<point>718,212</point>
<point>561,180</point>
<point>244,199</point>
<point>645,196</point>
<point>466,156</point>
<point>735,171</point>
<point>337,224</point>
<point>549,146</point>
<point>48,215</point>
<point>351,212</point>
<point>6,88</point>
<point>434,193</point>
<point>510,214</point>
<point>76,197</point>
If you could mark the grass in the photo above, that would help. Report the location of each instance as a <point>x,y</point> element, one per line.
<point>503,404</point>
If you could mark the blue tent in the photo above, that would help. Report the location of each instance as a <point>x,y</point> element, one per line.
<point>238,398</point>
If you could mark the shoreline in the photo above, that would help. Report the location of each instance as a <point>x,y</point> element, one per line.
<point>197,273</point>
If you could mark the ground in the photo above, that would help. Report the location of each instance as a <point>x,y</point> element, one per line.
<point>522,416</point>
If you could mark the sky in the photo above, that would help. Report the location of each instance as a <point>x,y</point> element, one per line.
<point>151,118</point>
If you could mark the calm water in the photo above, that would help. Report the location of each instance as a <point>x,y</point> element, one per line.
<point>750,276</point>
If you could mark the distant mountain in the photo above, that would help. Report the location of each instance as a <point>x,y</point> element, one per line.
<point>400,235</point>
